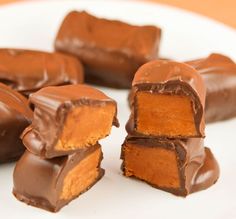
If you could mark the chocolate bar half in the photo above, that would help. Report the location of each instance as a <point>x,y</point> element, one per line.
<point>168,101</point>
<point>178,166</point>
<point>52,183</point>
<point>68,118</point>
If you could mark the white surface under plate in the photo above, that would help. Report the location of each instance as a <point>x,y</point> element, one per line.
<point>185,36</point>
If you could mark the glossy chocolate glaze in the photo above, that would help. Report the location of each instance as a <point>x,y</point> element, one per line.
<point>169,77</point>
<point>38,182</point>
<point>15,116</point>
<point>28,71</point>
<point>110,50</point>
<point>219,75</point>
<point>51,107</point>
<point>197,166</point>
<point>208,174</point>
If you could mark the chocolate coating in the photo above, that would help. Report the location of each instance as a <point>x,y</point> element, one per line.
<point>51,107</point>
<point>219,75</point>
<point>171,78</point>
<point>38,182</point>
<point>28,71</point>
<point>15,116</point>
<point>197,166</point>
<point>208,174</point>
<point>110,50</point>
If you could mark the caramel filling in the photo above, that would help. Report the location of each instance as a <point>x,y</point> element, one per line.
<point>155,165</point>
<point>164,115</point>
<point>85,125</point>
<point>82,176</point>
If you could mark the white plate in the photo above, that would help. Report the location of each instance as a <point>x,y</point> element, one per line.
<point>185,36</point>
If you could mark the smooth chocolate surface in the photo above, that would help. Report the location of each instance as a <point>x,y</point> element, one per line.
<point>168,79</point>
<point>43,183</point>
<point>219,75</point>
<point>110,50</point>
<point>28,71</point>
<point>15,116</point>
<point>52,108</point>
<point>196,166</point>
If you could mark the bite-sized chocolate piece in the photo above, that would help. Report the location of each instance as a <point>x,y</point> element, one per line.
<point>110,50</point>
<point>51,184</point>
<point>28,71</point>
<point>168,100</point>
<point>15,116</point>
<point>178,166</point>
<point>219,75</point>
<point>68,118</point>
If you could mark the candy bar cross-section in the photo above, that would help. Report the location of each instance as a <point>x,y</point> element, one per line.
<point>219,75</point>
<point>178,166</point>
<point>68,118</point>
<point>15,116</point>
<point>28,71</point>
<point>110,50</point>
<point>51,184</point>
<point>168,100</point>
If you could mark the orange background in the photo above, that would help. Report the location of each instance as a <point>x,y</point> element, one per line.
<point>221,10</point>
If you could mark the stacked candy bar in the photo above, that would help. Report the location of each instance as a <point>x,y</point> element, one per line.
<point>63,155</point>
<point>164,146</point>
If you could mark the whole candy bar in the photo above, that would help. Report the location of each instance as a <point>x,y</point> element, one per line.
<point>219,75</point>
<point>178,166</point>
<point>27,71</point>
<point>15,116</point>
<point>68,118</point>
<point>51,184</point>
<point>168,100</point>
<point>110,50</point>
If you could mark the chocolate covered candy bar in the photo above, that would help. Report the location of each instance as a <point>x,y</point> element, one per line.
<point>219,75</point>
<point>51,184</point>
<point>178,166</point>
<point>168,100</point>
<point>68,118</point>
<point>15,117</point>
<point>27,71</point>
<point>110,50</point>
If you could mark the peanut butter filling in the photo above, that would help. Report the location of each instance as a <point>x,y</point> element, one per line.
<point>164,115</point>
<point>82,176</point>
<point>155,165</point>
<point>85,125</point>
